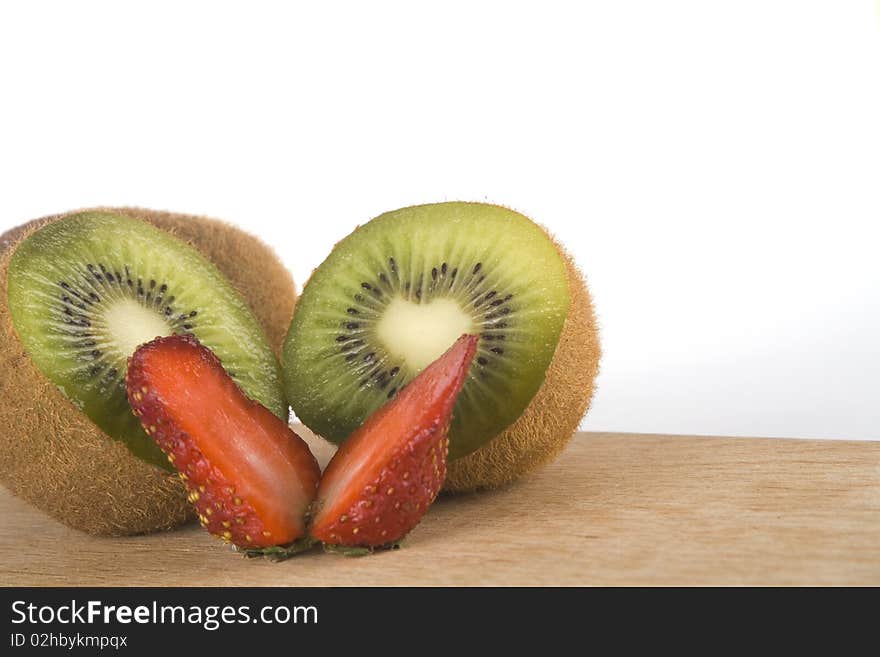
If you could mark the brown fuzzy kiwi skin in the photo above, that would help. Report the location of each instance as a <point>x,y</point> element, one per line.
<point>54,457</point>
<point>553,415</point>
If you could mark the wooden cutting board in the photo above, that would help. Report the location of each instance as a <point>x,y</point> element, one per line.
<point>614,509</point>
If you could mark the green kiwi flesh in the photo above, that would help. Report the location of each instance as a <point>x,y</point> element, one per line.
<point>84,292</point>
<point>393,296</point>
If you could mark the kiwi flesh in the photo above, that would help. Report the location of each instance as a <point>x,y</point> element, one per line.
<point>252,267</point>
<point>394,294</point>
<point>73,452</point>
<point>249,264</point>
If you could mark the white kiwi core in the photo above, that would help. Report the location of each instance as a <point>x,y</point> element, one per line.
<point>130,324</point>
<point>419,333</point>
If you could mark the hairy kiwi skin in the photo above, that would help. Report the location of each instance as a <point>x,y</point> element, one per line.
<point>55,457</point>
<point>553,415</point>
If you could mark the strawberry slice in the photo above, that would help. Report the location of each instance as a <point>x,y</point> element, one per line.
<point>385,476</point>
<point>249,476</point>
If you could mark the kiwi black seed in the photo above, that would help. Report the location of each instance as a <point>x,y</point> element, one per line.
<point>83,290</point>
<point>399,290</point>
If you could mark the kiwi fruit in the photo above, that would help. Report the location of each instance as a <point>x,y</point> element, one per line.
<point>553,415</point>
<point>78,293</point>
<point>392,297</point>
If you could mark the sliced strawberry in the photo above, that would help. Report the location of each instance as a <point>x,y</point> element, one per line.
<point>385,476</point>
<point>249,476</point>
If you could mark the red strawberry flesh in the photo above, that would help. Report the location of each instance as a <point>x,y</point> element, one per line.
<point>250,477</point>
<point>385,476</point>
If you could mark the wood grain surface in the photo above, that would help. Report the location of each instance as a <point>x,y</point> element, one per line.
<point>615,509</point>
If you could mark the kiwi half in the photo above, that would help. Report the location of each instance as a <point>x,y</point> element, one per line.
<point>553,415</point>
<point>394,295</point>
<point>82,289</point>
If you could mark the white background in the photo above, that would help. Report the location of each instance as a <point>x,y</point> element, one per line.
<point>714,166</point>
